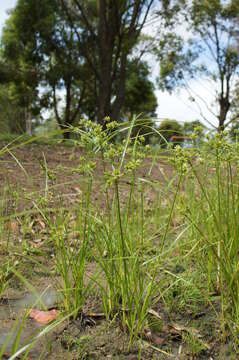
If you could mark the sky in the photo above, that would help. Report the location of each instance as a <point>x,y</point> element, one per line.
<point>4,6</point>
<point>176,106</point>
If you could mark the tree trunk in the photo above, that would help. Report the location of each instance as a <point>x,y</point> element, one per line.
<point>104,100</point>
<point>105,84</point>
<point>67,115</point>
<point>121,89</point>
<point>66,119</point>
<point>28,119</point>
<point>224,108</point>
<point>119,26</point>
<point>106,46</point>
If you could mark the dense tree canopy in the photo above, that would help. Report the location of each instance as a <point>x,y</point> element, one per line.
<point>11,114</point>
<point>75,58</point>
<point>22,54</point>
<point>107,32</point>
<point>139,91</point>
<point>82,59</point>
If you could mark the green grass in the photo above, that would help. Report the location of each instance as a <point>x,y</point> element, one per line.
<point>173,241</point>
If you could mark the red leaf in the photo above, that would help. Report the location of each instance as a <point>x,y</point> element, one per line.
<point>44,317</point>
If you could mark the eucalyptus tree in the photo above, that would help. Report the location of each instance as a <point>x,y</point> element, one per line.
<point>140,97</point>
<point>170,128</point>
<point>21,54</point>
<point>11,114</point>
<point>66,78</point>
<point>72,56</point>
<point>208,49</point>
<point>107,32</point>
<point>39,50</point>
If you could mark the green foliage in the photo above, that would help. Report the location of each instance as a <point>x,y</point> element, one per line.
<point>128,293</point>
<point>139,91</point>
<point>189,127</point>
<point>11,114</point>
<point>170,242</point>
<point>176,62</point>
<point>234,131</point>
<point>140,100</point>
<point>20,53</point>
<point>196,131</point>
<point>210,209</point>
<point>39,48</point>
<point>71,265</point>
<point>61,49</point>
<point>167,129</point>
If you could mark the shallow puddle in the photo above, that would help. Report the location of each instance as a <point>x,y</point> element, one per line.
<point>15,309</point>
<point>41,300</point>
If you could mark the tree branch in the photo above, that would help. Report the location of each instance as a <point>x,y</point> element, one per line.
<point>84,17</point>
<point>58,118</point>
<point>79,104</point>
<point>83,49</point>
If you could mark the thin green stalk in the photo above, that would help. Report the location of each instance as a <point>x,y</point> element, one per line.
<point>106,190</point>
<point>142,217</point>
<point>171,211</point>
<point>123,248</point>
<point>205,195</point>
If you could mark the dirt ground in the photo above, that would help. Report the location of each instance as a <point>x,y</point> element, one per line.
<point>24,171</point>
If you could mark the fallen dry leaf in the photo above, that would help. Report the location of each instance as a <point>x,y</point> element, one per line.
<point>14,227</point>
<point>154,313</point>
<point>37,243</point>
<point>105,254</point>
<point>181,328</point>
<point>8,355</point>
<point>43,225</point>
<point>96,315</point>
<point>78,190</point>
<point>44,317</point>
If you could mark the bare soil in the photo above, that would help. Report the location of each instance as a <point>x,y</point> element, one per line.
<point>24,171</point>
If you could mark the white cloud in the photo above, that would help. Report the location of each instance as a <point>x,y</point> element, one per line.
<point>5,5</point>
<point>180,107</point>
